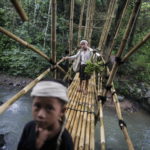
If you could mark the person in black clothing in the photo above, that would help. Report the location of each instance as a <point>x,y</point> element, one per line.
<point>47,130</point>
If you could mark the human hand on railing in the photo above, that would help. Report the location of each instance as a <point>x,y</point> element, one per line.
<point>65,58</point>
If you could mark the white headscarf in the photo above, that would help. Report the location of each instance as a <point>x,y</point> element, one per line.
<point>84,41</point>
<point>50,89</point>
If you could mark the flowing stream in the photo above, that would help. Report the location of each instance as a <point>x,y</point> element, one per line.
<point>13,120</point>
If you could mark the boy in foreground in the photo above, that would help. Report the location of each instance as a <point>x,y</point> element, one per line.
<point>46,131</point>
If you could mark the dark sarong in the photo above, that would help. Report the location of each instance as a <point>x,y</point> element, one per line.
<point>83,75</point>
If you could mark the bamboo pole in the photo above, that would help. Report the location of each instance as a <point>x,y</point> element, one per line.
<point>53,29</point>
<point>26,44</point>
<point>53,32</point>
<point>119,114</point>
<point>102,129</point>
<point>92,131</point>
<point>20,10</point>
<point>124,128</point>
<point>14,37</point>
<point>85,131</point>
<point>117,31</point>
<point>9,102</point>
<point>80,22</point>
<point>70,41</point>
<point>107,25</point>
<point>87,20</point>
<point>91,16</point>
<point>80,130</point>
<point>136,47</point>
<point>123,43</point>
<point>73,113</point>
<point>129,27</point>
<point>72,104</point>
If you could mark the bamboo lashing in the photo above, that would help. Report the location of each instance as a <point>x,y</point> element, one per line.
<point>20,10</point>
<point>68,73</point>
<point>9,102</point>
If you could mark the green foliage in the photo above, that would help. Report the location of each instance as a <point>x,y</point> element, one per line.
<point>17,63</point>
<point>17,60</point>
<point>98,67</point>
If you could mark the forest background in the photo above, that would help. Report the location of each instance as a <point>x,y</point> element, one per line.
<point>17,60</point>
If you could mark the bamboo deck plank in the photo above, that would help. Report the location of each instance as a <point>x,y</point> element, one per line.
<point>80,115</point>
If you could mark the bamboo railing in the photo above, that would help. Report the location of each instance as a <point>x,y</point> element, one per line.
<point>9,102</point>
<point>38,51</point>
<point>22,92</point>
<point>20,10</point>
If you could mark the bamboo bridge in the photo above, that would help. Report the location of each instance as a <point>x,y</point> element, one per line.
<point>84,110</point>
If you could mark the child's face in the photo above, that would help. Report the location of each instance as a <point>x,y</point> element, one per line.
<point>47,112</point>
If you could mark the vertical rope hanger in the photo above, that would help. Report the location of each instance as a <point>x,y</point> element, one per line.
<point>70,41</point>
<point>48,20</point>
<point>80,22</point>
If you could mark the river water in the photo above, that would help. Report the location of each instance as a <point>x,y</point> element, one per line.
<point>13,120</point>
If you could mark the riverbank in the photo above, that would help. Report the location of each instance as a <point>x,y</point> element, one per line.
<point>10,82</point>
<point>13,120</point>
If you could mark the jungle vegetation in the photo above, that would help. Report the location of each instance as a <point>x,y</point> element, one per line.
<point>17,60</point>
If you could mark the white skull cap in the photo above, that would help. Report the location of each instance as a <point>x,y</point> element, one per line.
<point>50,89</point>
<point>83,41</point>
